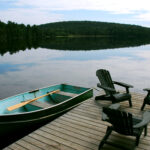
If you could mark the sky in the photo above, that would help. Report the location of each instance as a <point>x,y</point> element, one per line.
<point>45,11</point>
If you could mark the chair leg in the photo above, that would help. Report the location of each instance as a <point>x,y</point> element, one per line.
<point>145,130</point>
<point>108,132</point>
<point>137,140</point>
<point>130,102</point>
<point>146,100</point>
<point>138,136</point>
<point>143,104</point>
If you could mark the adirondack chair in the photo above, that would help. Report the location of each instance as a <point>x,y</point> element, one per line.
<point>123,123</point>
<point>107,85</point>
<point>146,99</point>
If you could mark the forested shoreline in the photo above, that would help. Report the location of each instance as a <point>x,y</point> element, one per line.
<point>92,29</point>
<point>13,31</point>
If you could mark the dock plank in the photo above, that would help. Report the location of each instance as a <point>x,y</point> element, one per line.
<point>16,146</point>
<point>7,148</point>
<point>82,129</point>
<point>28,145</point>
<point>50,142</point>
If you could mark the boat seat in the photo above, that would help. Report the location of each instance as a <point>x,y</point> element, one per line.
<point>45,105</point>
<point>67,94</point>
<point>41,104</point>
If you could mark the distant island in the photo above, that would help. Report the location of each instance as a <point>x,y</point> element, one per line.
<point>13,31</point>
<point>92,29</point>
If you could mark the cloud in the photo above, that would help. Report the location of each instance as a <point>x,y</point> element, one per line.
<point>43,11</point>
<point>144,16</point>
<point>29,16</point>
<point>116,6</point>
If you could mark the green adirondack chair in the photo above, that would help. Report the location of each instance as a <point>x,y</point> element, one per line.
<point>107,85</point>
<point>146,99</point>
<point>123,123</point>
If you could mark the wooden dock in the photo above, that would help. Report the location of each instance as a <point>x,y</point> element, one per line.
<point>82,129</point>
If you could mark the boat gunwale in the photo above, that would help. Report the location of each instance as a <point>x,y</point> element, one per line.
<point>27,92</point>
<point>41,118</point>
<point>43,109</point>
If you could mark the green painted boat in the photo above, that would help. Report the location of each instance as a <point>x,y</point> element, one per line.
<point>42,109</point>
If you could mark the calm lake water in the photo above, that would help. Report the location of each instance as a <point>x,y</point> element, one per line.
<point>33,68</point>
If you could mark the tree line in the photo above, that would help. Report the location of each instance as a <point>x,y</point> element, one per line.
<point>93,29</point>
<point>13,31</point>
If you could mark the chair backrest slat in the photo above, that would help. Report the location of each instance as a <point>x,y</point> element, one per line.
<point>121,121</point>
<point>105,79</point>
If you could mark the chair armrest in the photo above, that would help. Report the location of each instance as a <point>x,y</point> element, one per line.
<point>123,84</point>
<point>146,89</point>
<point>145,120</point>
<point>106,88</point>
<point>104,117</point>
<point>114,106</point>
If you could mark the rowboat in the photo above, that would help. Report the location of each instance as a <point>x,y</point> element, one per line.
<point>39,105</point>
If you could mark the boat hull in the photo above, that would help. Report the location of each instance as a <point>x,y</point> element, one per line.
<point>16,121</point>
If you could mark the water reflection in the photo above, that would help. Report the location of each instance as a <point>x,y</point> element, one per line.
<point>71,44</point>
<point>35,68</point>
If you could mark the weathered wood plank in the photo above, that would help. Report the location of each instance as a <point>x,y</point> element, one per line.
<point>77,135</point>
<point>7,148</point>
<point>16,146</point>
<point>27,145</point>
<point>50,142</point>
<point>38,143</point>
<point>61,140</point>
<point>67,136</point>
